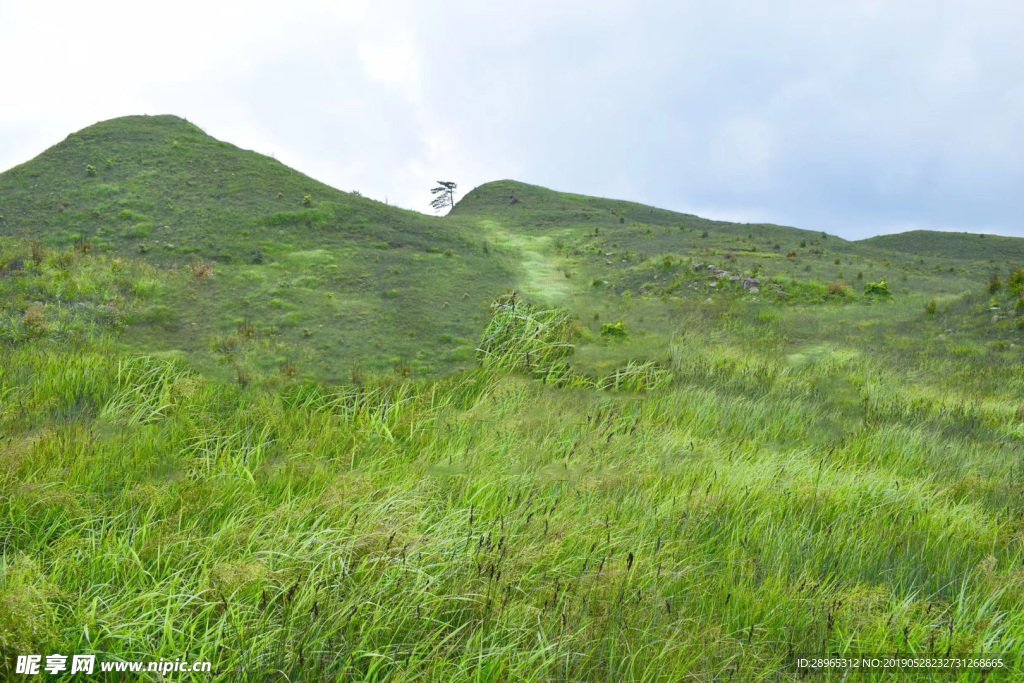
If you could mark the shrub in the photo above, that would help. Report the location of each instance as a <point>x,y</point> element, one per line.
<point>521,337</point>
<point>64,260</point>
<point>37,252</point>
<point>35,321</point>
<point>1019,306</point>
<point>307,200</point>
<point>792,254</point>
<point>202,269</point>
<point>837,288</point>
<point>931,307</point>
<point>90,169</point>
<point>704,234</point>
<point>1015,280</point>
<point>994,283</point>
<point>880,288</point>
<point>616,330</point>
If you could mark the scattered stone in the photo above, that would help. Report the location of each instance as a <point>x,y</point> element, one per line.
<point>754,290</point>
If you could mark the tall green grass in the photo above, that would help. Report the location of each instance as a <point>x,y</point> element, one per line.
<point>496,526</point>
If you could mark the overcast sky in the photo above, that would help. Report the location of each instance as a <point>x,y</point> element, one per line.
<point>854,117</point>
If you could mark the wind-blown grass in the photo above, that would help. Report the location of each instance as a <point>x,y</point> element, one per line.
<point>493,527</point>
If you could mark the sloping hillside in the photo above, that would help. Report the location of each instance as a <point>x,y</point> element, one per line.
<point>158,185</point>
<point>316,279</point>
<point>531,206</point>
<point>261,269</point>
<point>953,246</point>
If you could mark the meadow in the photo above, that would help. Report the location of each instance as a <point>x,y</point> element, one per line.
<point>600,464</point>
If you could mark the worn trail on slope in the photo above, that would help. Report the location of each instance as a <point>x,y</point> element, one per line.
<point>541,276</point>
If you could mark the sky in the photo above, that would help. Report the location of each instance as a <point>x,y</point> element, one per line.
<point>858,117</point>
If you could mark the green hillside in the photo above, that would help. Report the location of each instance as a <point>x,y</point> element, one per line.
<point>316,278</point>
<point>952,246</point>
<point>261,269</point>
<point>159,185</point>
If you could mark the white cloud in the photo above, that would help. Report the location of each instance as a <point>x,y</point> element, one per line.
<point>820,114</point>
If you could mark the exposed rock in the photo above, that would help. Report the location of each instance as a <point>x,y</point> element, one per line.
<point>751,283</point>
<point>754,290</point>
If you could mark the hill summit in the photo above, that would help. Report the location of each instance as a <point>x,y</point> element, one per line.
<point>121,182</point>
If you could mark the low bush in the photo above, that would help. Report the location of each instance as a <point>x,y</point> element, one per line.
<point>880,288</point>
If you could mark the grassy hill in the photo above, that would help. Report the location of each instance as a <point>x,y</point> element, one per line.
<point>261,269</point>
<point>316,278</point>
<point>955,247</point>
<point>320,441</point>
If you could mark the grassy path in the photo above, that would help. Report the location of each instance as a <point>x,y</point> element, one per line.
<point>542,276</point>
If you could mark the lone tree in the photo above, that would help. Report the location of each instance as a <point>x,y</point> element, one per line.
<point>445,195</point>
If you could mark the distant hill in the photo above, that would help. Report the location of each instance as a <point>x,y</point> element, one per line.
<point>532,206</point>
<point>951,245</point>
